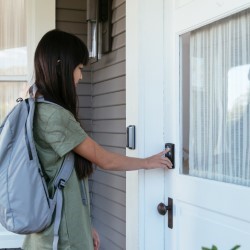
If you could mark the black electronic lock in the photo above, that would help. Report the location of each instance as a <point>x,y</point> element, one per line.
<point>170,153</point>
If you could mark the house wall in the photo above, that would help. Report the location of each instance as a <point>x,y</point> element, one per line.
<point>102,113</point>
<point>109,130</point>
<point>71,17</point>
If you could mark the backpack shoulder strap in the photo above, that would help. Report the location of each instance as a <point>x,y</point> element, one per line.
<point>59,183</point>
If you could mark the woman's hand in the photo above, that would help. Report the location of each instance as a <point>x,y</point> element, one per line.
<point>158,161</point>
<point>96,239</point>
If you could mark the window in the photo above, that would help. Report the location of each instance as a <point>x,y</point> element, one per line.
<point>215,80</point>
<point>13,54</point>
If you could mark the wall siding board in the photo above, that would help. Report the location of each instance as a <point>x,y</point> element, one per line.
<point>109,72</point>
<point>85,113</point>
<point>113,140</point>
<point>110,207</point>
<point>107,126</point>
<point>117,3</point>
<point>115,223</point>
<point>119,13</point>
<point>70,15</point>
<point>119,27</point>
<point>83,89</point>
<point>109,193</point>
<point>71,5</point>
<point>115,173</point>
<point>110,99</point>
<point>110,243</point>
<point>102,113</point>
<point>118,41</point>
<point>109,113</point>
<point>110,59</point>
<point>113,85</point>
<point>85,101</point>
<point>106,178</point>
<point>72,27</point>
<point>117,238</point>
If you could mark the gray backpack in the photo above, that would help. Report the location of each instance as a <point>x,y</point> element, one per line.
<point>25,205</point>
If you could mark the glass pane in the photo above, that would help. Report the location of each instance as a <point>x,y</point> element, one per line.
<point>215,80</point>
<point>13,42</point>
<point>9,92</point>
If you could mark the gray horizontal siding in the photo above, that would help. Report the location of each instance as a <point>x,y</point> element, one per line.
<point>71,17</point>
<point>109,130</point>
<point>102,112</point>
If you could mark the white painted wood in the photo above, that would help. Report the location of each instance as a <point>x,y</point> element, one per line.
<point>206,212</point>
<point>144,104</point>
<point>37,25</point>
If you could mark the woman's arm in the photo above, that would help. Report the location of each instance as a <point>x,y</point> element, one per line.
<point>90,150</point>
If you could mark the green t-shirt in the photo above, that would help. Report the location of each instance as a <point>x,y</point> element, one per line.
<point>56,132</point>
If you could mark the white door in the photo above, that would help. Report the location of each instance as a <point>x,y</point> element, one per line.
<point>16,53</point>
<point>174,59</point>
<point>207,117</point>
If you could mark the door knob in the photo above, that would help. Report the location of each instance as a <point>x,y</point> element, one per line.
<point>163,209</point>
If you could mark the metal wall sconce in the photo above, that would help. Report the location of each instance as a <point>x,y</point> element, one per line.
<point>99,21</point>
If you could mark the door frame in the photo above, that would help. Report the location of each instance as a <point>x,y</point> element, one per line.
<point>144,103</point>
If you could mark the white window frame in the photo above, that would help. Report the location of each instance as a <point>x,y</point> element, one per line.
<point>41,17</point>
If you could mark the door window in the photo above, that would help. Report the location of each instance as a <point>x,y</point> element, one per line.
<point>215,80</point>
<point>13,54</point>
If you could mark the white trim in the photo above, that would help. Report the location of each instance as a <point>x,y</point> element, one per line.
<point>144,104</point>
<point>40,18</point>
<point>132,178</point>
<point>13,78</point>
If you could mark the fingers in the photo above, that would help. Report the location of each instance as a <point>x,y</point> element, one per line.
<point>165,159</point>
<point>167,163</point>
<point>96,239</point>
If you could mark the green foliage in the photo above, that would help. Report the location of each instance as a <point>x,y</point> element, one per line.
<point>215,248</point>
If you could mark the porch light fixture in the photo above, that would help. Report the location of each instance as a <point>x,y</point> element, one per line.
<point>99,17</point>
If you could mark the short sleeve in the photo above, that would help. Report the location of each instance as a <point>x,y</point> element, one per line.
<point>63,132</point>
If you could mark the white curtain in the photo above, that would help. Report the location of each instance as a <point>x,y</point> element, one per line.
<point>13,53</point>
<point>219,142</point>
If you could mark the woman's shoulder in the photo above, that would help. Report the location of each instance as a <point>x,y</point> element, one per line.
<point>51,111</point>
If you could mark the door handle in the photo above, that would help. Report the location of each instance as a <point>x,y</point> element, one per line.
<point>163,209</point>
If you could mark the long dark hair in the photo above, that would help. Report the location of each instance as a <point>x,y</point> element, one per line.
<point>57,55</point>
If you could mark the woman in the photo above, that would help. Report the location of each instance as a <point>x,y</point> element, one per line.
<point>59,60</point>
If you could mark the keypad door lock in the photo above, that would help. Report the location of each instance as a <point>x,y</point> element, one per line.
<point>170,154</point>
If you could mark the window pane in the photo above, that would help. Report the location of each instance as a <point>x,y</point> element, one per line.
<point>215,77</point>
<point>9,92</point>
<point>13,54</point>
<point>13,38</point>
